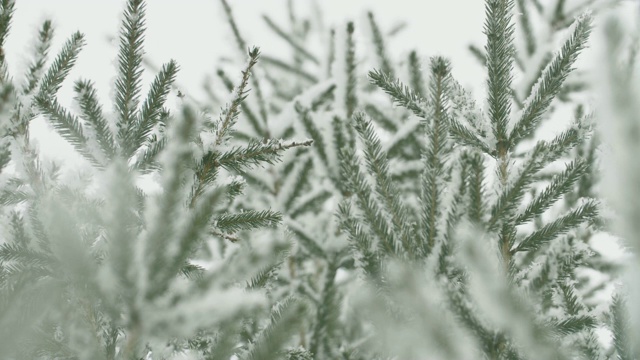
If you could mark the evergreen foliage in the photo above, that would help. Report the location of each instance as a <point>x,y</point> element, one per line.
<point>404,222</point>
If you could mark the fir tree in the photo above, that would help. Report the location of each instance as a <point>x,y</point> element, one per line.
<point>410,224</point>
<point>104,271</point>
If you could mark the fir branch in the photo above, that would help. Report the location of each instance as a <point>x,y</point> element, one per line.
<point>621,329</point>
<point>466,137</point>
<point>68,126</point>
<point>208,168</point>
<point>326,319</point>
<point>331,54</point>
<point>305,239</point>
<point>550,83</point>
<point>435,153</point>
<point>129,73</point>
<point>301,175</point>
<point>13,197</point>
<point>189,236</point>
<point>351,98</point>
<point>228,237</point>
<point>61,66</point>
<point>533,242</point>
<point>91,113</point>
<point>45,35</point>
<point>527,31</point>
<point>242,46</point>
<point>339,142</point>
<point>366,257</point>
<point>152,108</point>
<point>7,8</point>
<point>285,316</point>
<point>147,161</point>
<point>380,118</point>
<point>476,188</point>
<point>255,153</point>
<point>246,109</point>
<point>396,29</point>
<point>311,203</point>
<point>415,74</point>
<point>20,254</point>
<point>310,127</point>
<point>457,209</point>
<point>401,94</point>
<point>479,54</point>
<point>229,116</point>
<point>567,140</point>
<point>571,302</point>
<point>290,40</point>
<point>560,184</point>
<point>121,226</point>
<point>247,220</point>
<point>378,165</point>
<point>381,52</point>
<point>510,197</point>
<point>500,53</point>
<point>18,229</point>
<point>192,271</point>
<point>463,311</point>
<point>373,215</point>
<point>572,325</point>
<point>406,136</point>
<point>324,97</point>
<point>160,218</point>
<point>268,60</point>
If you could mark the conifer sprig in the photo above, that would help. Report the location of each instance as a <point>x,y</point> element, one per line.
<point>560,184</point>
<point>68,126</point>
<point>61,66</point>
<point>293,42</point>
<point>242,46</point>
<point>373,213</point>
<point>150,114</point>
<point>45,35</point>
<point>91,113</point>
<point>499,51</point>
<point>434,156</point>
<point>561,225</point>
<point>621,329</point>
<point>550,82</point>
<point>230,115</point>
<point>351,98</point>
<point>378,166</point>
<point>381,51</point>
<point>129,73</point>
<point>401,94</point>
<point>7,8</point>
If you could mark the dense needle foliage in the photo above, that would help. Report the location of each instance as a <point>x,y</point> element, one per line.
<point>353,205</point>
